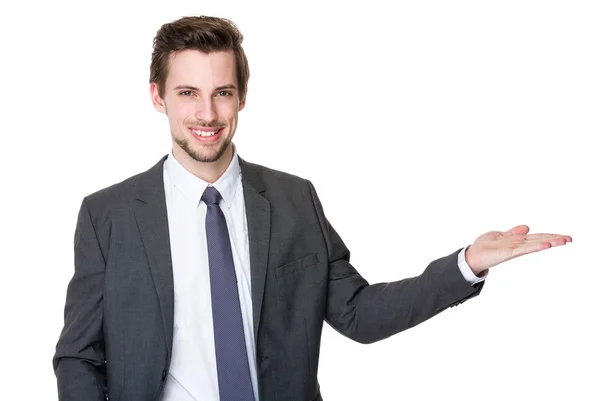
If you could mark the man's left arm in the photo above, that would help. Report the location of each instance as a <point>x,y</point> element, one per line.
<point>371,312</point>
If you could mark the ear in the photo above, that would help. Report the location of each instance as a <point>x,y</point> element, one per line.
<point>157,101</point>
<point>242,102</point>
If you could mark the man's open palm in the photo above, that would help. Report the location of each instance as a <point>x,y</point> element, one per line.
<point>495,247</point>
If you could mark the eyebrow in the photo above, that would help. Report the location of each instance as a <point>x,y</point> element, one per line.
<point>193,88</point>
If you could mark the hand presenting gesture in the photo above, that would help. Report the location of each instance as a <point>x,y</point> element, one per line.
<point>495,247</point>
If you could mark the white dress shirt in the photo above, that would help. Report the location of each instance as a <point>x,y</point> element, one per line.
<point>193,371</point>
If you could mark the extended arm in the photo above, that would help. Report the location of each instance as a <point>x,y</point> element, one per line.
<point>368,313</point>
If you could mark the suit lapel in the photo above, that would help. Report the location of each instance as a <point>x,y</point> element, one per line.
<point>152,221</point>
<point>258,215</point>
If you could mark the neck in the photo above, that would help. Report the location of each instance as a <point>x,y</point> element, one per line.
<point>209,172</point>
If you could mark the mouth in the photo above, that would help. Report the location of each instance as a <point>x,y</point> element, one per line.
<point>206,135</point>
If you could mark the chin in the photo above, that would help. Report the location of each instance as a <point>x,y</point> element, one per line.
<point>210,154</point>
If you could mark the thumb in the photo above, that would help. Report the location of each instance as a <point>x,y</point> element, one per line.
<point>518,230</point>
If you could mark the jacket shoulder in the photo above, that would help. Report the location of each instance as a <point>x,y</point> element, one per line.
<point>273,178</point>
<point>121,194</point>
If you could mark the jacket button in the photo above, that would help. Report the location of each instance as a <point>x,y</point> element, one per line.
<point>164,374</point>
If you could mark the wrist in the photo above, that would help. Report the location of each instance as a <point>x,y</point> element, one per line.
<point>468,258</point>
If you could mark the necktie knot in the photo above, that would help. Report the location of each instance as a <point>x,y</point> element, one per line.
<point>211,196</point>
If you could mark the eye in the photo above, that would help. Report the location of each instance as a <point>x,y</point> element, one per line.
<point>186,93</point>
<point>224,93</point>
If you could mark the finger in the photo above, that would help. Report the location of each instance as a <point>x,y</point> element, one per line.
<point>537,245</point>
<point>530,248</point>
<point>552,241</point>
<point>547,236</point>
<point>517,241</point>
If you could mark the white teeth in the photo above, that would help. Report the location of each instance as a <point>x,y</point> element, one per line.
<point>204,133</point>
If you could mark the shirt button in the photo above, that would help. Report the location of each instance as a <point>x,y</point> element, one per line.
<point>164,374</point>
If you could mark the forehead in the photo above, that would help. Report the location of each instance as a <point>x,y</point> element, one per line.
<point>196,68</point>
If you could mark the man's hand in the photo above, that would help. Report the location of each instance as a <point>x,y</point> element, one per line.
<point>495,247</point>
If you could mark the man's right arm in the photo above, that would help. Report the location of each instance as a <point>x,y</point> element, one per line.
<point>79,362</point>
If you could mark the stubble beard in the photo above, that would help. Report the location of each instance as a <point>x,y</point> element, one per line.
<point>203,157</point>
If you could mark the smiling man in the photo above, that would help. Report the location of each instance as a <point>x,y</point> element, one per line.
<point>209,278</point>
<point>201,97</point>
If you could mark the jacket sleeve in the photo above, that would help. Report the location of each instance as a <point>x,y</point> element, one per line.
<point>371,312</point>
<point>79,362</point>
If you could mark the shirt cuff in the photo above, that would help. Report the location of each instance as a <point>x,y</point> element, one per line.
<point>466,271</point>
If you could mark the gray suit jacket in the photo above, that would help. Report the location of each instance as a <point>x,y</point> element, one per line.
<point>118,331</point>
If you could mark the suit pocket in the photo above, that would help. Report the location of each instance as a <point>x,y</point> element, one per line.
<point>297,265</point>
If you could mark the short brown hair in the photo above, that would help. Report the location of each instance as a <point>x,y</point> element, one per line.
<point>203,33</point>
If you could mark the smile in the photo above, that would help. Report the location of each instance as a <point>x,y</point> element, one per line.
<point>204,133</point>
<point>207,135</point>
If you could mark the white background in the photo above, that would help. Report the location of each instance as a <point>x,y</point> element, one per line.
<point>457,117</point>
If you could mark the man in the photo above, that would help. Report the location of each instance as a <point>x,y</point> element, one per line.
<point>209,278</point>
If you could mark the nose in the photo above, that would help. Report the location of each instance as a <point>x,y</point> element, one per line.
<point>205,110</point>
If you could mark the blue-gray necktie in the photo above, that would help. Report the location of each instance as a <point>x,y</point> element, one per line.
<point>230,345</point>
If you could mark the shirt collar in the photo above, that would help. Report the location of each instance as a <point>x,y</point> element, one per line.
<point>193,187</point>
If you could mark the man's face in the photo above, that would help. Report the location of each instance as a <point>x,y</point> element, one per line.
<point>201,101</point>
